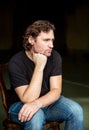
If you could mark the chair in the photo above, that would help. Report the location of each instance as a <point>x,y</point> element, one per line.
<point>7,123</point>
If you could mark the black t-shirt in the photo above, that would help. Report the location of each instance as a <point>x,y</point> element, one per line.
<point>21,70</point>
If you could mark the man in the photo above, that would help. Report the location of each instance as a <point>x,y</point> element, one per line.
<point>36,83</point>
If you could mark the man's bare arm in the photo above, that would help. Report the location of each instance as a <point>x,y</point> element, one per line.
<point>29,93</point>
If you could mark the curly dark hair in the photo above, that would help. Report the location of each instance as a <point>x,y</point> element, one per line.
<point>34,29</point>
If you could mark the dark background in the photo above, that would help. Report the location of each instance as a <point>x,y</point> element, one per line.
<point>16,15</point>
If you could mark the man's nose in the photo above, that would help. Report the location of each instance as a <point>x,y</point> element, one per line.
<point>51,44</point>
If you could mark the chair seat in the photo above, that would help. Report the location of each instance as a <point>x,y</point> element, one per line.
<point>55,125</point>
<point>9,125</point>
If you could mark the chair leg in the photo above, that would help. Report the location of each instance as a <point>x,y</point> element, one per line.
<point>56,127</point>
<point>59,127</point>
<point>52,125</point>
<point>6,128</point>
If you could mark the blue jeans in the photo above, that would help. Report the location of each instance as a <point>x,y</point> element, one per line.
<point>63,109</point>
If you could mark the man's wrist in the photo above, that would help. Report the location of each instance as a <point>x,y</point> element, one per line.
<point>39,105</point>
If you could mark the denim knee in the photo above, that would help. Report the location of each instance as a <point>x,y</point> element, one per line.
<point>14,110</point>
<point>37,121</point>
<point>77,112</point>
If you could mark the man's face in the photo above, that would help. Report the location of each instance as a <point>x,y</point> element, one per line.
<point>44,43</point>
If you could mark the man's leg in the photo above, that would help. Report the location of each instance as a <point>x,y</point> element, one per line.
<point>66,110</point>
<point>36,123</point>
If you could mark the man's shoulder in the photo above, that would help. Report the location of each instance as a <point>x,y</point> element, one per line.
<point>17,56</point>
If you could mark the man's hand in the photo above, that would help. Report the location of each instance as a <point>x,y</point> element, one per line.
<point>27,111</point>
<point>39,60</point>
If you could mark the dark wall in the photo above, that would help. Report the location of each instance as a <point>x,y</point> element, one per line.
<point>17,15</point>
<point>26,12</point>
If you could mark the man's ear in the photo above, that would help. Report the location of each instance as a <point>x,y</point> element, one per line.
<point>31,40</point>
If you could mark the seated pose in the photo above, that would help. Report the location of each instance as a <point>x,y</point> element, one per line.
<point>36,83</point>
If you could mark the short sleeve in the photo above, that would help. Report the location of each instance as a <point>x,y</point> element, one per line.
<point>17,75</point>
<point>56,64</point>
